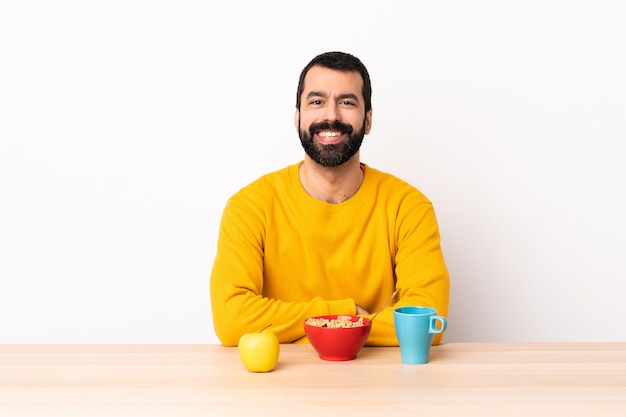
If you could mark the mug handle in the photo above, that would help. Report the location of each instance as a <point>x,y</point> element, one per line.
<point>433,324</point>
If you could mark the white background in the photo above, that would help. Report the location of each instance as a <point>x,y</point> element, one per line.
<point>125,126</point>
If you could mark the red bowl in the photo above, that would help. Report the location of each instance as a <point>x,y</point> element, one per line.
<point>338,343</point>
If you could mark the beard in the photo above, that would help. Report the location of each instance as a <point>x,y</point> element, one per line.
<point>335,154</point>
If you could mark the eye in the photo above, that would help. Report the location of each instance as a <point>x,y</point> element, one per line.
<point>348,103</point>
<point>316,102</point>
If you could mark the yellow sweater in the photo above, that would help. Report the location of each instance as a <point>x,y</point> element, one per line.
<point>283,256</point>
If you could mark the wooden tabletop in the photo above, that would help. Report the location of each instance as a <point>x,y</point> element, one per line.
<point>462,379</point>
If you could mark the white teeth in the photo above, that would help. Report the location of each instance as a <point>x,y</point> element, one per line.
<point>329,134</point>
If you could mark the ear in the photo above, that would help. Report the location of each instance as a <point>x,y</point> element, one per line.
<point>368,121</point>
<point>296,120</point>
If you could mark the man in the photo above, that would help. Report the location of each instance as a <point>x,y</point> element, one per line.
<point>329,235</point>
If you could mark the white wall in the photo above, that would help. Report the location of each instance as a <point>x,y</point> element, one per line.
<point>125,125</point>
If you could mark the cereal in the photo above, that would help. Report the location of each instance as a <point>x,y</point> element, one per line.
<point>339,322</point>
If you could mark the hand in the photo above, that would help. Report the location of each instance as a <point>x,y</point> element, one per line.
<point>360,311</point>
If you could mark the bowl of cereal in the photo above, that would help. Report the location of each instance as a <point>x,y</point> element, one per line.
<point>337,338</point>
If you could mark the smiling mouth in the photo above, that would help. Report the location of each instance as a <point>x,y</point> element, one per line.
<point>329,136</point>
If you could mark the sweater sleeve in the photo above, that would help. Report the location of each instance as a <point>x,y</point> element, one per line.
<point>236,283</point>
<point>422,277</point>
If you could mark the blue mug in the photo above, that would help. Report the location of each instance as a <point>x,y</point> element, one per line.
<point>415,328</point>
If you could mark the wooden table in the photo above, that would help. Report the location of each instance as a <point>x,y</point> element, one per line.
<point>462,379</point>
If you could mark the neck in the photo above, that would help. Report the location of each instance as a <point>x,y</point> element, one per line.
<point>331,184</point>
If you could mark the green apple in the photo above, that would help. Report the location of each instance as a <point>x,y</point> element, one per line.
<point>259,351</point>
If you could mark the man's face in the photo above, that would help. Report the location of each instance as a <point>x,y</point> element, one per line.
<point>331,120</point>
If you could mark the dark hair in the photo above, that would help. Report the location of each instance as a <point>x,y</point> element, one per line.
<point>339,61</point>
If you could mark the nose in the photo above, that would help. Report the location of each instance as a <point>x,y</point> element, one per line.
<point>331,112</point>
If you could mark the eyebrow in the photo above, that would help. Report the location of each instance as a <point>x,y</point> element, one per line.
<point>312,94</point>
